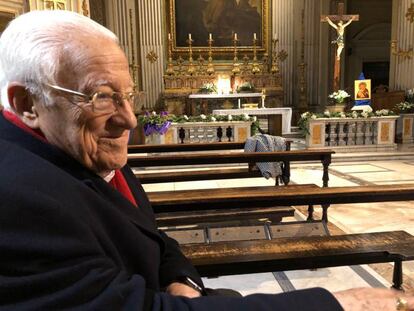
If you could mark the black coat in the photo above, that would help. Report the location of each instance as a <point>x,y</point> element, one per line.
<point>70,240</point>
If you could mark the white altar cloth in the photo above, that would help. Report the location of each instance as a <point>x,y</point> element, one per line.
<point>285,112</point>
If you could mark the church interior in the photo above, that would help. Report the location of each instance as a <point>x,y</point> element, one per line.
<point>333,78</point>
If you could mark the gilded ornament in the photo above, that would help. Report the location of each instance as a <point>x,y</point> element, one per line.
<point>54,4</point>
<point>410,13</point>
<point>152,57</point>
<point>85,10</point>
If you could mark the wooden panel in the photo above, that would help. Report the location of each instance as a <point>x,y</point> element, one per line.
<point>187,236</point>
<point>286,230</point>
<point>237,233</point>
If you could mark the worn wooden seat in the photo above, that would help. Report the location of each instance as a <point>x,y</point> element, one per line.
<point>206,199</point>
<point>228,258</point>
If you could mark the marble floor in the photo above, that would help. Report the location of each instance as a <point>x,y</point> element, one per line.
<point>349,218</point>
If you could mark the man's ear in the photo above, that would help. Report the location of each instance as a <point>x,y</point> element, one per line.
<point>22,103</point>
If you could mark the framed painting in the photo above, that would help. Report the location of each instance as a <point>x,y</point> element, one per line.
<point>5,19</point>
<point>220,18</point>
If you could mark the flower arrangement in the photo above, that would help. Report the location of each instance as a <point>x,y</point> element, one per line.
<point>338,97</point>
<point>245,87</point>
<point>208,88</point>
<point>405,107</point>
<point>303,122</point>
<point>160,123</point>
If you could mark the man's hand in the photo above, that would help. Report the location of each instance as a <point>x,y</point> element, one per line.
<point>179,289</point>
<point>372,299</point>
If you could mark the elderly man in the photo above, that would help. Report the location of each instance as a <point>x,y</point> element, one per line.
<point>76,228</point>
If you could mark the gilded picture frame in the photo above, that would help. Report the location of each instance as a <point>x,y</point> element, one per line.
<point>221,18</point>
<point>362,89</point>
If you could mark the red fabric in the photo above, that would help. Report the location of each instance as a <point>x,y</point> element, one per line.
<point>12,118</point>
<point>120,184</point>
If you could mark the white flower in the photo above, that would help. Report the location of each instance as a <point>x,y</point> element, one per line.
<point>246,116</point>
<point>313,117</point>
<point>354,114</point>
<point>213,119</point>
<point>364,114</point>
<point>304,115</point>
<point>186,117</point>
<point>153,113</point>
<point>342,115</point>
<point>202,116</point>
<point>254,119</point>
<point>229,117</point>
<point>327,113</point>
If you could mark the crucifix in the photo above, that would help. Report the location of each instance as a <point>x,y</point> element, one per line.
<point>339,22</point>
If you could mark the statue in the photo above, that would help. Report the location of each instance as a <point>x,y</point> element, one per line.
<point>340,29</point>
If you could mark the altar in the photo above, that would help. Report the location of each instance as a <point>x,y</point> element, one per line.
<point>285,114</point>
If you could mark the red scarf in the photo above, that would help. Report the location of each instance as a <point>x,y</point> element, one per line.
<point>118,181</point>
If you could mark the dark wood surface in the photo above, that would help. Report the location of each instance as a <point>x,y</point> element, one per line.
<point>205,199</point>
<point>227,258</point>
<point>274,214</point>
<point>184,147</point>
<point>176,176</point>
<point>227,158</point>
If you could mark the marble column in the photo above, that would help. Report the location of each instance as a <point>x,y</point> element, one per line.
<point>401,69</point>
<point>283,28</point>
<point>151,40</point>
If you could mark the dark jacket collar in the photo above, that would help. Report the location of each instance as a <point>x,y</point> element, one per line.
<point>141,216</point>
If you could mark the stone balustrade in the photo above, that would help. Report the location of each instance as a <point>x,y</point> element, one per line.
<point>405,128</point>
<point>203,132</point>
<point>352,134</point>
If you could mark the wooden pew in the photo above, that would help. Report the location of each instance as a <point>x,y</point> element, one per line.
<point>251,158</point>
<point>220,173</point>
<point>228,258</point>
<point>227,198</point>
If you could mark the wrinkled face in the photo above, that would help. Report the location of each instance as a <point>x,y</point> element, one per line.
<point>98,141</point>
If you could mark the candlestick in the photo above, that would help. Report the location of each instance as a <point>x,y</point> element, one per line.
<point>170,66</point>
<point>255,65</point>
<point>236,65</point>
<point>210,66</point>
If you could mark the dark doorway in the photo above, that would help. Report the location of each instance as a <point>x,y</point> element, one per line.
<point>378,72</point>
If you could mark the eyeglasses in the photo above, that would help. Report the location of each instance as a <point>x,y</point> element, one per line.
<point>105,102</point>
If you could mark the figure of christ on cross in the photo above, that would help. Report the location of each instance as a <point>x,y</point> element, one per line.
<point>339,22</point>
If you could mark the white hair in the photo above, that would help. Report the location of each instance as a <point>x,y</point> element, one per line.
<point>32,45</point>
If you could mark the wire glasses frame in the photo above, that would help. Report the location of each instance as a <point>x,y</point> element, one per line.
<point>105,102</point>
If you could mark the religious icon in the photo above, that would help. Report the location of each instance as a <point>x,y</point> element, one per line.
<point>340,29</point>
<point>362,89</point>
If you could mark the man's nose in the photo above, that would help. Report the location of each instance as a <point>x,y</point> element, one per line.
<point>125,116</point>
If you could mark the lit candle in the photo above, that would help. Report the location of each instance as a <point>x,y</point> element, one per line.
<point>169,36</point>
<point>210,36</point>
<point>254,36</point>
<point>235,36</point>
<point>189,36</point>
